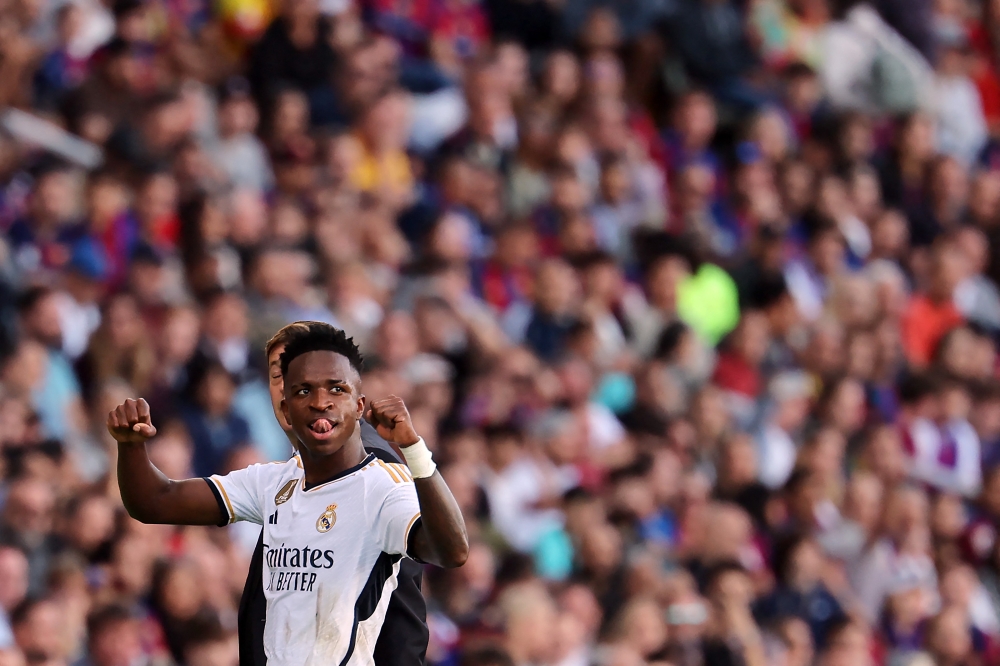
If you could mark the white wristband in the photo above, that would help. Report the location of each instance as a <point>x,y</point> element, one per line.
<point>419,459</point>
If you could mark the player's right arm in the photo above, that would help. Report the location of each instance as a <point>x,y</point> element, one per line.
<point>148,495</point>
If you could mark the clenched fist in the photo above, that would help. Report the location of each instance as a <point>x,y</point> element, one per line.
<point>129,422</point>
<point>392,421</point>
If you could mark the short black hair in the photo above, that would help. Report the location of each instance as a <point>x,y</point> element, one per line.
<point>322,337</point>
<point>108,616</point>
<point>713,573</point>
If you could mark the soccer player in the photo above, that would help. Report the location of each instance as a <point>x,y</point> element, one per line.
<point>403,639</point>
<point>337,521</point>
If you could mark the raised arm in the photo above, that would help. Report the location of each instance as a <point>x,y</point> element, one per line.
<point>440,538</point>
<point>148,495</point>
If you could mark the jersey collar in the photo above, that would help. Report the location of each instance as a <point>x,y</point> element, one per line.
<point>350,470</point>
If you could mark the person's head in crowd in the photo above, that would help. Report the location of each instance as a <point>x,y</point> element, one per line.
<point>890,236</point>
<point>906,513</point>
<point>29,511</point>
<point>737,467</point>
<point>848,642</point>
<point>841,405</point>
<point>984,198</point>
<point>770,132</point>
<point>914,145</point>
<point>148,278</point>
<point>212,388</point>
<point>210,644</point>
<point>863,501</point>
<point>178,593</point>
<point>949,637</point>
<point>90,523</point>
<point>53,201</point>
<point>289,117</point>
<point>40,631</point>
<point>641,625</point>
<point>39,316</point>
<point>13,578</point>
<point>802,89</point>
<point>985,413</point>
<point>155,202</point>
<point>855,139</point>
<point>695,120</point>
<point>114,636</point>
<point>826,248</point>
<point>946,271</point>
<point>529,618</point>
<point>238,113</point>
<point>561,78</point>
<point>165,124</point>
<point>948,189</point>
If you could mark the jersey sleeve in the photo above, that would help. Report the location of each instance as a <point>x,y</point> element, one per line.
<point>239,494</point>
<point>399,514</point>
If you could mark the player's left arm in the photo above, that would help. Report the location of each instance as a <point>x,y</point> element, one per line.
<point>440,537</point>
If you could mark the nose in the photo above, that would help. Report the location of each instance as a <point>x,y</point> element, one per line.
<point>321,401</point>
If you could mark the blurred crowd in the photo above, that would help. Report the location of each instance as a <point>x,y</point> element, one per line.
<point>694,300</point>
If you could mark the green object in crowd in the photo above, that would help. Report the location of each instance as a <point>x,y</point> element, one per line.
<point>708,302</point>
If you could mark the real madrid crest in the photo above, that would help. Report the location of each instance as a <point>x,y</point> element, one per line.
<point>327,519</point>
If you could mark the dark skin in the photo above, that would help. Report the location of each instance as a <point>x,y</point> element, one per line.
<point>323,405</point>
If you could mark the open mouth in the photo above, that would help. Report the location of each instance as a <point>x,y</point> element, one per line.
<point>322,428</point>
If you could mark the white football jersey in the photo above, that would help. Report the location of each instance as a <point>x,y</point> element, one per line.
<point>331,554</point>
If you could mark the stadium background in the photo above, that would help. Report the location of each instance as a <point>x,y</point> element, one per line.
<point>695,301</point>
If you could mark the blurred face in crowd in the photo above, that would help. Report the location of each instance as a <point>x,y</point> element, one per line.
<point>906,513</point>
<point>949,184</point>
<point>157,198</point>
<point>916,138</point>
<point>695,120</point>
<point>863,502</point>
<point>856,141</point>
<point>949,638</point>
<point>530,622</point>
<point>53,201</point>
<point>890,235</point>
<point>43,321</point>
<point>13,578</point>
<point>827,252</point>
<point>42,634</point>
<point>118,643</point>
<point>561,79</point>
<point>771,135</point>
<point>984,198</point>
<point>179,335</point>
<point>28,510</point>
<point>238,115</point>
<point>663,279</point>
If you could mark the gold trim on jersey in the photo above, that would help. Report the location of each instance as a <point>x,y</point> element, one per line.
<point>225,496</point>
<point>406,538</point>
<point>393,475</point>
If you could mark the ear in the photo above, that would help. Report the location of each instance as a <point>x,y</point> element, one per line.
<point>360,405</point>
<point>284,411</point>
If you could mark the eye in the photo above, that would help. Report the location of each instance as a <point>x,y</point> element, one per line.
<point>337,389</point>
<point>302,391</point>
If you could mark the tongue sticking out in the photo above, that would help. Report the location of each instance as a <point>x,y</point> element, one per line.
<point>321,426</point>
